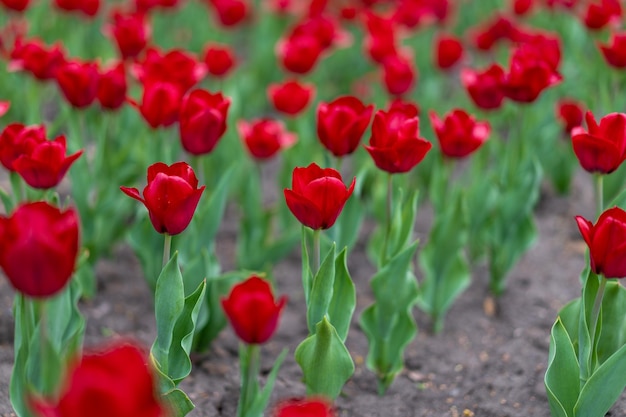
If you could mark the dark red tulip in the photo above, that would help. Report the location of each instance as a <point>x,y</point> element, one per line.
<point>459,133</point>
<point>341,124</point>
<point>202,121</point>
<point>308,407</point>
<point>171,196</point>
<point>38,248</point>
<point>395,144</point>
<point>615,52</point>
<point>603,148</point>
<point>33,56</point>
<point>601,13</point>
<point>230,12</point>
<point>131,33</point>
<point>607,242</point>
<point>570,114</point>
<point>265,137</point>
<point>117,380</point>
<point>252,310</point>
<point>78,82</point>
<point>485,87</point>
<point>290,97</point>
<point>448,51</point>
<point>112,87</point>
<point>15,5</point>
<point>16,140</point>
<point>174,67</point>
<point>299,53</point>
<point>529,74</point>
<point>45,164</point>
<point>219,60</point>
<point>87,7</point>
<point>399,74</point>
<point>160,103</point>
<point>317,196</point>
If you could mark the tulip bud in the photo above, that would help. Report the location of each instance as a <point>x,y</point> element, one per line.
<point>265,137</point>
<point>603,148</point>
<point>202,121</point>
<point>341,124</point>
<point>607,242</point>
<point>459,133</point>
<point>290,97</point>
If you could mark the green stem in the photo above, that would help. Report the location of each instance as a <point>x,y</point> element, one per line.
<point>599,189</point>
<point>250,366</point>
<point>316,251</point>
<point>595,312</point>
<point>388,219</point>
<point>167,247</point>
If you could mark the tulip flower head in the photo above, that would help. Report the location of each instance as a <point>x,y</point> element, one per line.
<point>290,97</point>
<point>265,137</point>
<point>219,60</point>
<point>607,242</point>
<point>485,88</point>
<point>603,148</point>
<point>17,140</point>
<point>615,52</point>
<point>341,124</point>
<point>309,407</point>
<point>171,196</point>
<point>202,121</point>
<point>252,310</point>
<point>448,51</point>
<point>459,133</point>
<point>570,114</point>
<point>317,196</point>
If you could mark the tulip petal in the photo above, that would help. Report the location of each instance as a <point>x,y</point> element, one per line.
<point>304,210</point>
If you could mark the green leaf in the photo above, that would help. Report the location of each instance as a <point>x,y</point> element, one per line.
<point>562,375</point>
<point>321,291</point>
<point>403,224</point>
<point>261,401</point>
<point>585,350</point>
<point>7,202</point>
<point>325,361</point>
<point>147,247</point>
<point>346,229</point>
<point>343,301</point>
<point>613,335</point>
<point>178,402</point>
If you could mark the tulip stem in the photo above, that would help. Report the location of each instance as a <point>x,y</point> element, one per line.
<point>167,247</point>
<point>316,251</point>
<point>595,313</point>
<point>250,362</point>
<point>383,257</point>
<point>599,183</point>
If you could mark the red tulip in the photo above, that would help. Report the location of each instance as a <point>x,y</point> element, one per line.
<point>497,29</point>
<point>341,124</point>
<point>35,57</point>
<point>486,87</point>
<point>131,33</point>
<point>112,87</point>
<point>529,74</point>
<point>326,30</point>
<point>265,137</point>
<point>603,148</point>
<point>38,248</point>
<point>115,381</point>
<point>615,52</point>
<point>78,82</point>
<point>252,310</point>
<point>380,41</point>
<point>607,242</point>
<point>230,12</point>
<point>160,103</point>
<point>15,5</point>
<point>45,165</point>
<point>4,107</point>
<point>202,121</point>
<point>174,67</point>
<point>310,407</point>
<point>87,7</point>
<point>16,140</point>
<point>317,196</point>
<point>399,74</point>
<point>299,53</point>
<point>570,114</point>
<point>448,51</point>
<point>290,97</point>
<point>395,144</point>
<point>219,60</point>
<point>459,133</point>
<point>522,7</point>
<point>171,196</point>
<point>598,15</point>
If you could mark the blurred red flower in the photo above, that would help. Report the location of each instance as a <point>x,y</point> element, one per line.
<point>341,124</point>
<point>607,242</point>
<point>16,140</point>
<point>265,137</point>
<point>112,87</point>
<point>485,88</point>
<point>219,60</point>
<point>290,97</point>
<point>448,51</point>
<point>308,407</point>
<point>603,148</point>
<point>202,121</point>
<point>570,114</point>
<point>78,82</point>
<point>459,133</point>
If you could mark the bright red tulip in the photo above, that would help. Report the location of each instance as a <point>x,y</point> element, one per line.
<point>15,5</point>
<point>171,196</point>
<point>615,52</point>
<point>45,165</point>
<point>219,60</point>
<point>308,407</point>
<point>38,248</point>
<point>114,381</point>
<point>174,67</point>
<point>112,87</point>
<point>87,7</point>
<point>570,114</point>
<point>299,53</point>
<point>522,7</point>
<point>265,137</point>
<point>399,74</point>
<point>290,97</point>
<point>496,29</point>
<point>317,196</point>
<point>202,121</point>
<point>607,242</point>
<point>380,41</point>
<point>459,133</point>
<point>78,82</point>
<point>230,12</point>
<point>16,140</point>
<point>601,13</point>
<point>448,51</point>
<point>131,33</point>
<point>603,148</point>
<point>252,310</point>
<point>33,56</point>
<point>160,103</point>
<point>485,87</point>
<point>341,124</point>
<point>395,144</point>
<point>529,74</point>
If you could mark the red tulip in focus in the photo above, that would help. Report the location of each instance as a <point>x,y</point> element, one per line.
<point>310,407</point>
<point>570,114</point>
<point>112,87</point>
<point>131,33</point>
<point>252,310</point>
<point>160,103</point>
<point>395,144</point>
<point>615,52</point>
<point>115,381</point>
<point>16,140</point>
<point>230,12</point>
<point>341,124</point>
<point>202,121</point>
<point>529,74</point>
<point>171,196</point>
<point>265,137</point>
<point>317,196</point>
<point>399,74</point>
<point>219,60</point>
<point>607,242</point>
<point>299,53</point>
<point>486,87</point>
<point>448,51</point>
<point>79,82</point>
<point>603,148</point>
<point>601,13</point>
<point>15,5</point>
<point>33,56</point>
<point>459,133</point>
<point>38,248</point>
<point>45,164</point>
<point>86,7</point>
<point>290,97</point>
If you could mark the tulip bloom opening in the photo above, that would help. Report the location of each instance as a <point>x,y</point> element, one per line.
<point>607,242</point>
<point>603,148</point>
